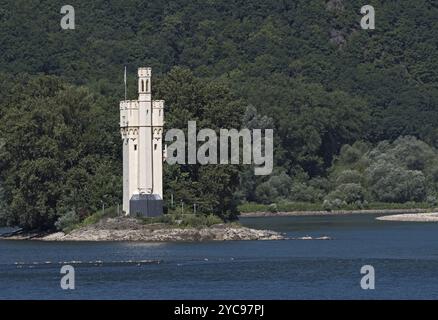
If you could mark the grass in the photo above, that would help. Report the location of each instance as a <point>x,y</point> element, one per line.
<point>176,220</point>
<point>184,220</point>
<point>94,218</point>
<point>281,206</point>
<point>308,206</point>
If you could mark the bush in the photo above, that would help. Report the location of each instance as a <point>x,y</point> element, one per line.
<point>185,220</point>
<point>334,204</point>
<point>212,219</point>
<point>413,153</point>
<point>252,207</point>
<point>276,188</point>
<point>75,222</point>
<point>351,154</point>
<point>198,221</point>
<point>67,221</point>
<point>321,184</point>
<point>349,176</point>
<point>432,201</point>
<point>303,192</point>
<point>281,183</point>
<point>273,208</point>
<point>283,205</point>
<point>265,193</point>
<point>348,193</point>
<point>395,184</point>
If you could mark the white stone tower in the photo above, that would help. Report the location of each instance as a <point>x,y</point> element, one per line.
<point>141,126</point>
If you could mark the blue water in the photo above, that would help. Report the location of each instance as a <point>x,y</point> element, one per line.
<point>404,255</point>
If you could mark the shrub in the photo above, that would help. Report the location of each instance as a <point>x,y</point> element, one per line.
<point>184,220</point>
<point>334,204</point>
<point>432,201</point>
<point>312,190</point>
<point>265,193</point>
<point>273,207</point>
<point>349,176</point>
<point>301,192</point>
<point>348,193</point>
<point>281,183</point>
<point>321,184</point>
<point>349,155</point>
<point>413,153</point>
<point>212,219</point>
<point>352,154</point>
<point>252,207</point>
<point>67,221</point>
<point>395,184</point>
<point>276,188</point>
<point>199,221</point>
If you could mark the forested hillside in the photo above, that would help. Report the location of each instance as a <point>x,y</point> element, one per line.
<point>302,67</point>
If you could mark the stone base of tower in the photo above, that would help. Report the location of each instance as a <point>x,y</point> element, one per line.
<point>146,205</point>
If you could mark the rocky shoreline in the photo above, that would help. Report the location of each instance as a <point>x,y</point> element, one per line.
<point>130,229</point>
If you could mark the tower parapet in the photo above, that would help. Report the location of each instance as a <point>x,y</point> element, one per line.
<point>129,113</point>
<point>158,113</point>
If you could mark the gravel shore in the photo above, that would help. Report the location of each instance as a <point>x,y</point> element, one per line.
<point>327,213</point>
<point>412,217</point>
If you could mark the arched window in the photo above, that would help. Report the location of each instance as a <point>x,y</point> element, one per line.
<point>147,85</point>
<point>142,86</point>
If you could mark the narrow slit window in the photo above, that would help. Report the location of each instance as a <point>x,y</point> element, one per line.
<point>135,147</point>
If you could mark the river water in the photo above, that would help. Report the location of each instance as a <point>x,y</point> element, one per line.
<point>404,256</point>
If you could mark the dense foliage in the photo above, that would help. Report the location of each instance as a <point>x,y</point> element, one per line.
<point>302,67</point>
<point>60,153</point>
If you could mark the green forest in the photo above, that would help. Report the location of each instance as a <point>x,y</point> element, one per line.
<point>354,111</point>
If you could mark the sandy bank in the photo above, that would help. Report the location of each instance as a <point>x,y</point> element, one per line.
<point>412,217</point>
<point>328,213</point>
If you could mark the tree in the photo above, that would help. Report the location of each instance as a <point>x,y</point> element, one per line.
<point>211,105</point>
<point>58,154</point>
<point>390,183</point>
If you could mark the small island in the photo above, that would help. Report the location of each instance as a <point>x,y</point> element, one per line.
<point>167,228</point>
<point>132,229</point>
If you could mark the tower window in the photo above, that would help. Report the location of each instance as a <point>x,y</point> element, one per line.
<point>147,85</point>
<point>155,146</point>
<point>142,86</point>
<point>135,147</point>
